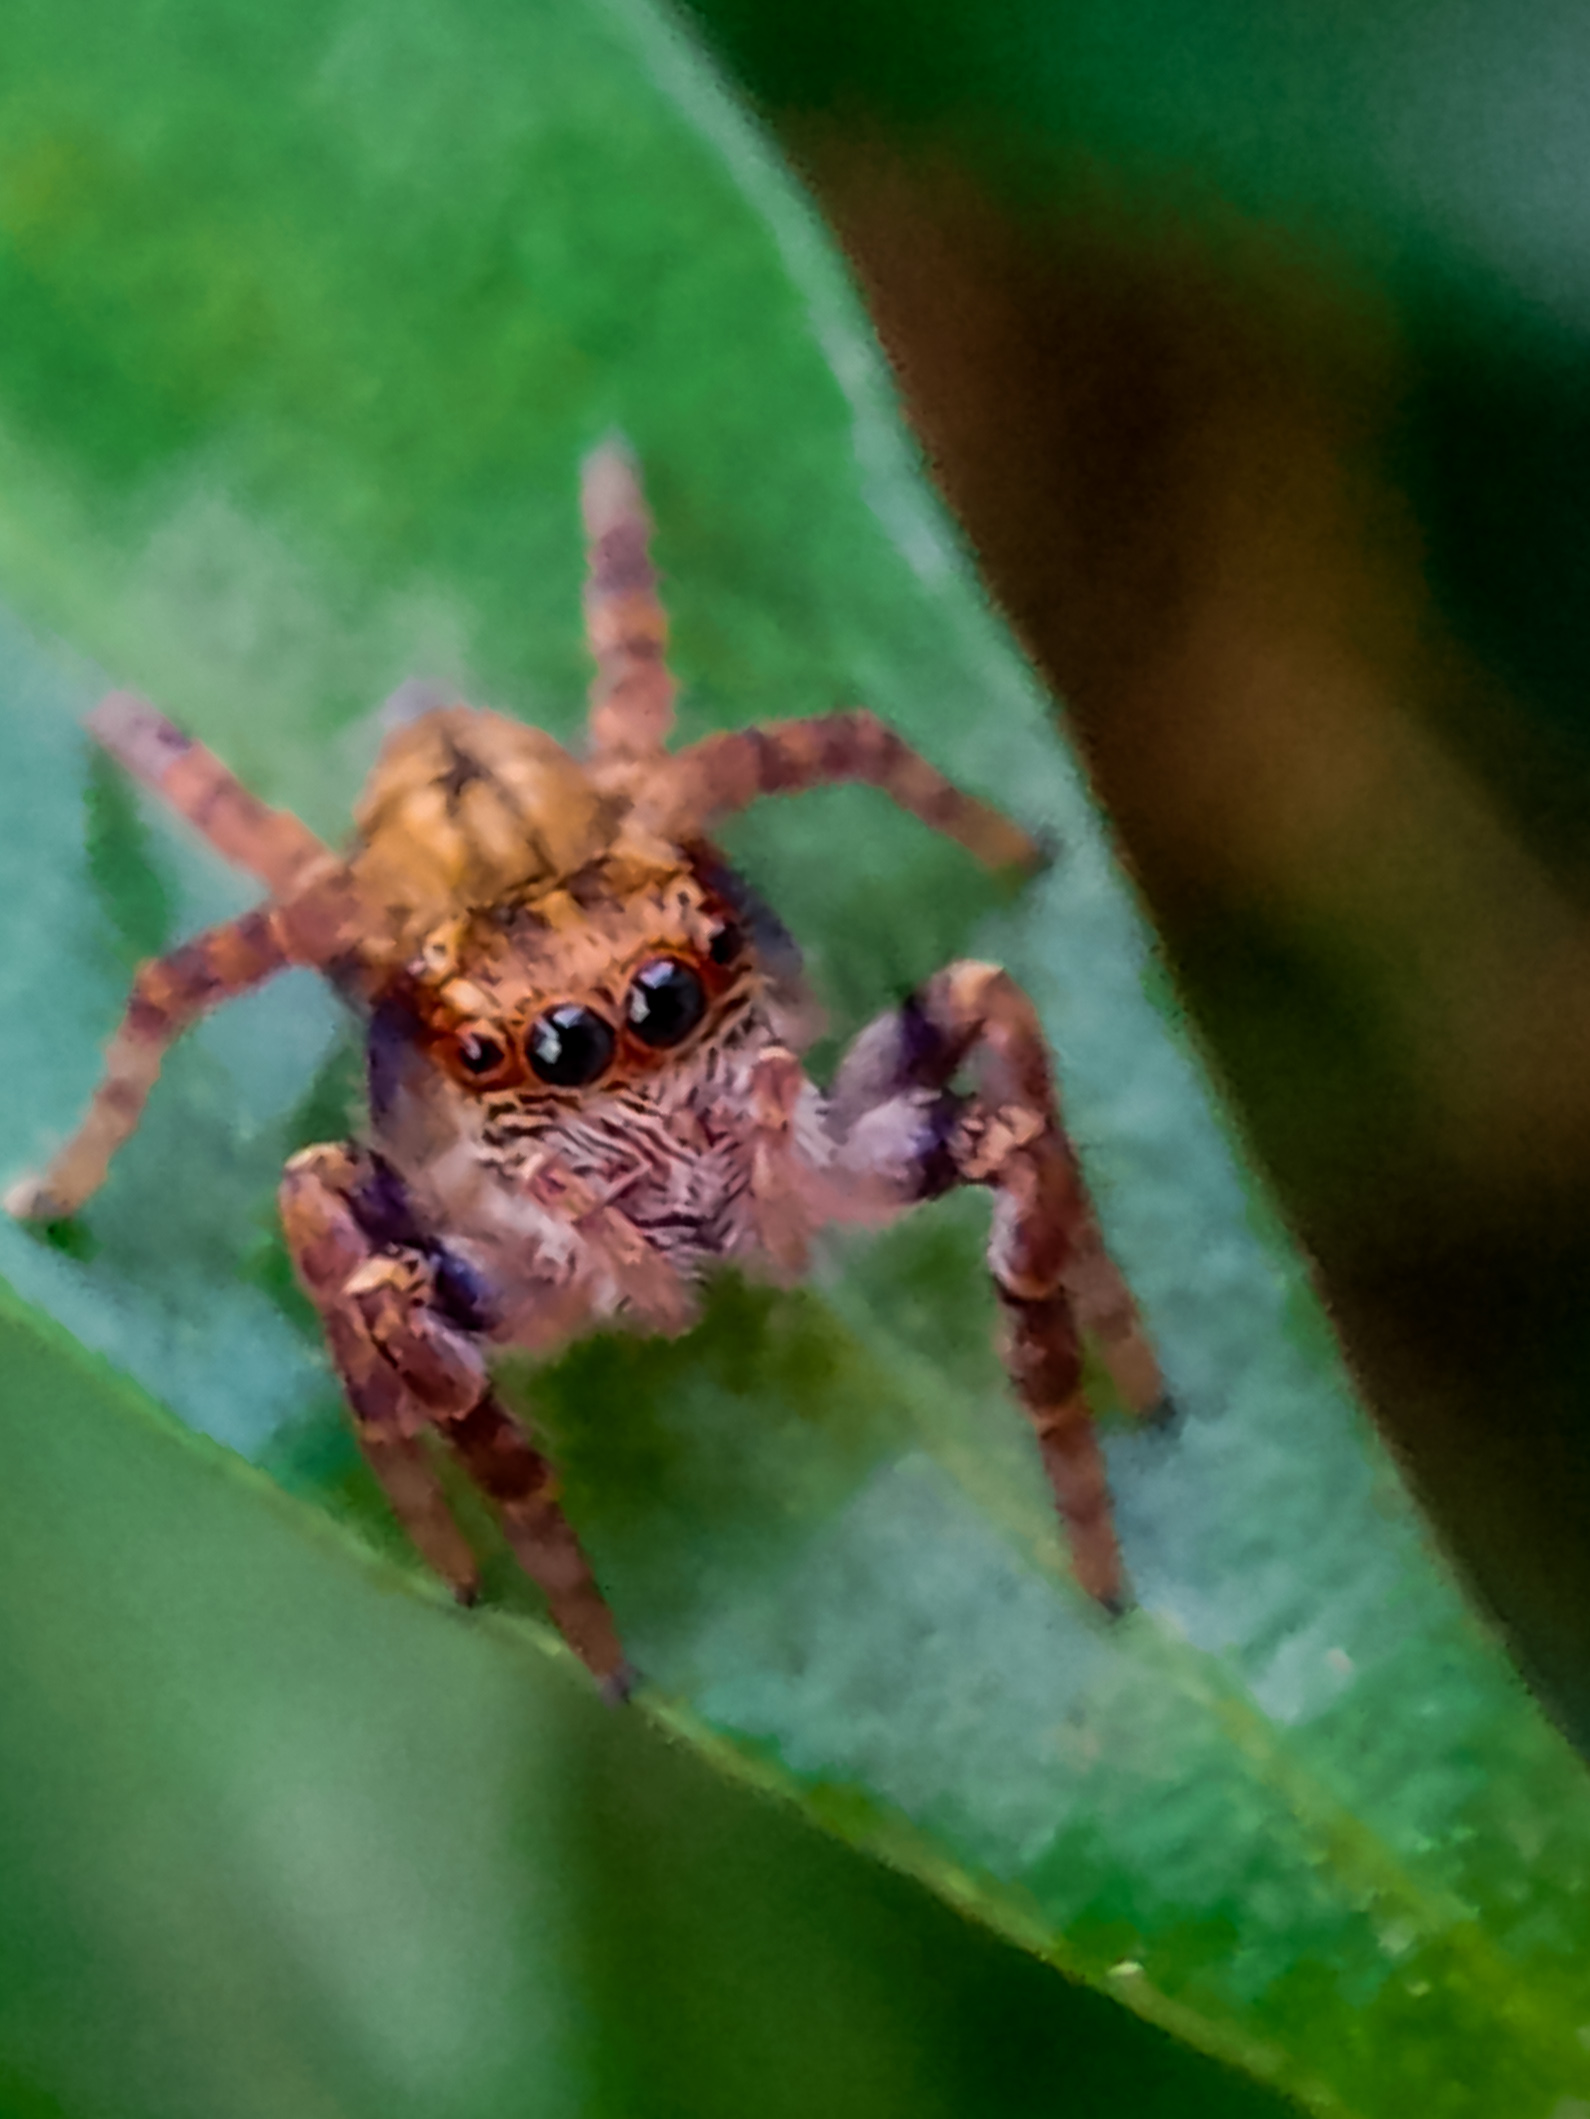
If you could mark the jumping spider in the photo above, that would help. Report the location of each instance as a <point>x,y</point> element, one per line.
<point>582,1031</point>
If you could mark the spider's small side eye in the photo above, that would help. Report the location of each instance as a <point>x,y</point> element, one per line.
<point>666,1001</point>
<point>481,1053</point>
<point>570,1046</point>
<point>726,943</point>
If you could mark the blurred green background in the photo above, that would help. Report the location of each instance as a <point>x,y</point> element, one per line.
<point>1252,346</point>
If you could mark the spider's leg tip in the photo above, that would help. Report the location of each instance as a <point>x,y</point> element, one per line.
<point>1165,1413</point>
<point>614,446</point>
<point>1024,856</point>
<point>1117,1603</point>
<point>29,1200</point>
<point>466,1594</point>
<point>620,1685</point>
<point>1047,848</point>
<point>610,485</point>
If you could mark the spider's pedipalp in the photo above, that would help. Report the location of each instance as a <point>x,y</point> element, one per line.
<point>632,695</point>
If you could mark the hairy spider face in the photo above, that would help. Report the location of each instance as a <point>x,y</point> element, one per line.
<point>620,972</point>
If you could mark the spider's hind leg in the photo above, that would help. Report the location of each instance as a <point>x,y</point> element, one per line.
<point>902,1126</point>
<point>405,1327</point>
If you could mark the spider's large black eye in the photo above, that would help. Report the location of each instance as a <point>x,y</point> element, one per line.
<point>569,1046</point>
<point>666,1001</point>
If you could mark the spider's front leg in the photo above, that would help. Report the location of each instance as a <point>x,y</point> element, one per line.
<point>903,1129</point>
<point>405,1324</point>
<point>169,994</point>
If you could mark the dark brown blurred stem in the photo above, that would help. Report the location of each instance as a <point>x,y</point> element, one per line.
<point>1168,451</point>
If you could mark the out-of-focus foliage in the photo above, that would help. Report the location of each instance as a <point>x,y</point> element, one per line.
<point>310,315</point>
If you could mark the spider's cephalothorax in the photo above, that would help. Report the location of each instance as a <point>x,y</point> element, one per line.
<point>584,1075</point>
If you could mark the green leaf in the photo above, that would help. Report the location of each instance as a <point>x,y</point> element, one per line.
<point>310,313</point>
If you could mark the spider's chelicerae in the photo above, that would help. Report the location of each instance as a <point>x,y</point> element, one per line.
<point>584,1089</point>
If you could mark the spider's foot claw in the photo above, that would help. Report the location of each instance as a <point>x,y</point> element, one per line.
<point>1117,1603</point>
<point>466,1595</point>
<point>1164,1414</point>
<point>620,1685</point>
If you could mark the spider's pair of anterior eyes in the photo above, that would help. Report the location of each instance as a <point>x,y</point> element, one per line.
<point>571,1046</point>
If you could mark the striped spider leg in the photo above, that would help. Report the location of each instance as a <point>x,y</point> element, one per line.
<point>409,1325</point>
<point>900,1122</point>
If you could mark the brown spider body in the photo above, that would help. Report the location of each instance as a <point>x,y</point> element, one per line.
<point>585,1089</point>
